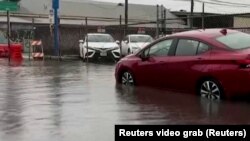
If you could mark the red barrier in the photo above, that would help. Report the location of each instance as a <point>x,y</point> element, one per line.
<point>4,50</point>
<point>14,52</point>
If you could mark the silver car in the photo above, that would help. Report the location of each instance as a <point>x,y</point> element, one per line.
<point>99,46</point>
<point>135,42</point>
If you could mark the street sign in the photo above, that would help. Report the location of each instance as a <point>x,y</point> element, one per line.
<point>55,6</point>
<point>51,16</point>
<point>7,5</point>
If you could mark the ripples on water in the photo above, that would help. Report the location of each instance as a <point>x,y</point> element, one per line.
<point>75,101</point>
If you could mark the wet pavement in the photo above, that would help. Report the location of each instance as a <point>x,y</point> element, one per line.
<point>72,101</point>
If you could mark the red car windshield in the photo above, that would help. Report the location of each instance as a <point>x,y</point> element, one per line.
<point>235,41</point>
<point>3,39</point>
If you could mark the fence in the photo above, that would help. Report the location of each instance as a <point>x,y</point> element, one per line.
<point>72,29</point>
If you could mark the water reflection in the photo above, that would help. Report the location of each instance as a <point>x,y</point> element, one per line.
<point>11,105</point>
<point>164,107</point>
<point>74,101</point>
<point>16,62</point>
<point>55,97</point>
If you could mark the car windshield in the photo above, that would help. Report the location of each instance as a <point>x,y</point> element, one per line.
<point>100,38</point>
<point>3,39</point>
<point>236,41</point>
<point>135,39</point>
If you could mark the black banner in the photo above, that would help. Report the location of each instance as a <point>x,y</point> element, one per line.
<point>182,132</point>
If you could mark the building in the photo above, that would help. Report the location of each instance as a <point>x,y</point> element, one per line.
<point>211,20</point>
<point>242,22</point>
<point>37,15</point>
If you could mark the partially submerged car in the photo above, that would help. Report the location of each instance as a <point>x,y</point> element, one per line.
<point>97,46</point>
<point>135,42</point>
<point>213,63</point>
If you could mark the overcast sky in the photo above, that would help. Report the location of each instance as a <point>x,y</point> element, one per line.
<point>215,6</point>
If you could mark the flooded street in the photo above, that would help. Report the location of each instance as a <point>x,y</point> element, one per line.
<point>70,100</point>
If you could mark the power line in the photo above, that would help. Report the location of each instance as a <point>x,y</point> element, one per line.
<point>223,4</point>
<point>219,2</point>
<point>216,9</point>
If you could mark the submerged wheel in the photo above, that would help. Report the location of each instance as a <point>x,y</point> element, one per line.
<point>210,89</point>
<point>127,79</point>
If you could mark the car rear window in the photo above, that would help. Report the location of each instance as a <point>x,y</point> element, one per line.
<point>3,39</point>
<point>235,41</point>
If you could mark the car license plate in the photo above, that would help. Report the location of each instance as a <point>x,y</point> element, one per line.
<point>103,53</point>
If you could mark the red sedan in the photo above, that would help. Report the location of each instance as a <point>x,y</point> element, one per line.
<point>214,63</point>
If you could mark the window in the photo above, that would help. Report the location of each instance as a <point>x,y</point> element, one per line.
<point>186,47</point>
<point>236,41</point>
<point>146,52</point>
<point>202,48</point>
<point>160,49</point>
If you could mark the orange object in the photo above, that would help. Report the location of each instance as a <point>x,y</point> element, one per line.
<point>36,43</point>
<point>16,51</point>
<point>38,55</point>
<point>37,50</point>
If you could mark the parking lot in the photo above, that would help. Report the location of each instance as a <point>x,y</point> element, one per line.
<point>72,100</point>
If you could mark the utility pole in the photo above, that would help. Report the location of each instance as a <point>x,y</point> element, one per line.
<point>164,20</point>
<point>157,21</point>
<point>56,22</point>
<point>87,38</point>
<point>120,40</point>
<point>203,15</point>
<point>8,33</point>
<point>191,14</point>
<point>126,17</point>
<point>31,38</point>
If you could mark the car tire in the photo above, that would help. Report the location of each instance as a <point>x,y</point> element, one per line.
<point>210,89</point>
<point>127,79</point>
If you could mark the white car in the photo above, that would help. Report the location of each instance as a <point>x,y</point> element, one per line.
<point>99,45</point>
<point>135,42</point>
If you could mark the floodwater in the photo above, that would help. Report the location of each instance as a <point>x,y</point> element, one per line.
<point>72,101</point>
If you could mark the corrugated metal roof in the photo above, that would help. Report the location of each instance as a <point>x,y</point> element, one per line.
<point>88,8</point>
<point>92,9</point>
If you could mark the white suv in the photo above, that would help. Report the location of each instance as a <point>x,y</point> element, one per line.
<point>98,45</point>
<point>135,42</point>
